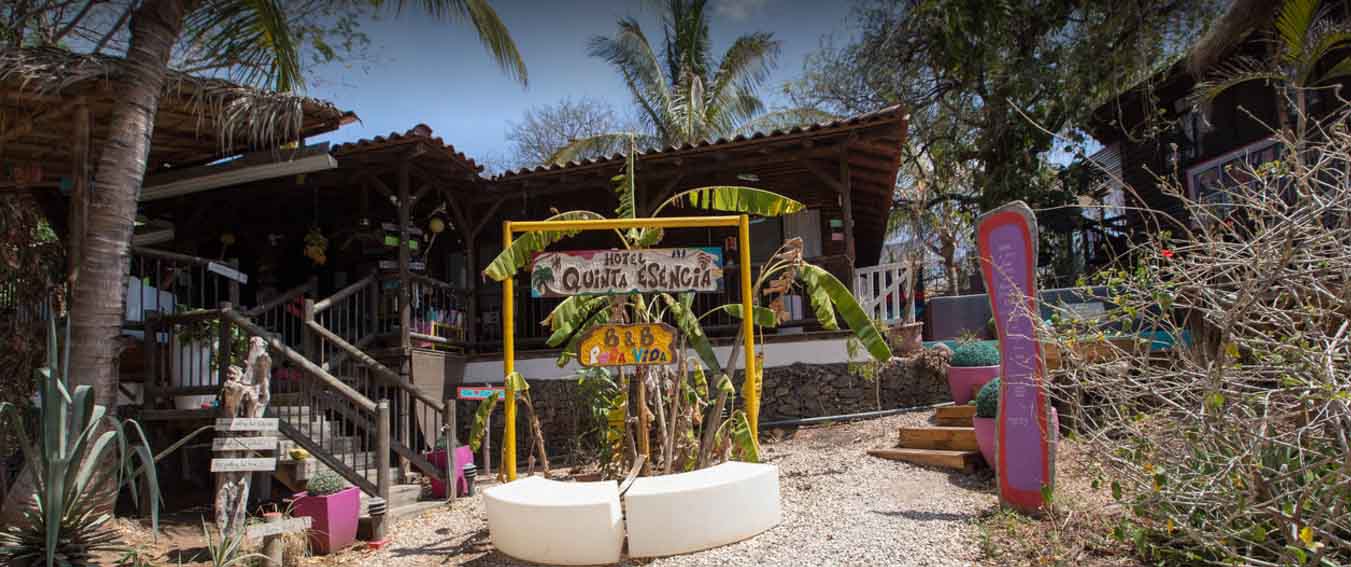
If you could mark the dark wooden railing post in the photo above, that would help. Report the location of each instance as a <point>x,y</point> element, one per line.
<point>382,478</point>
<point>234,284</point>
<point>309,342</point>
<point>150,383</point>
<point>374,307</point>
<point>226,344</point>
<point>452,442</point>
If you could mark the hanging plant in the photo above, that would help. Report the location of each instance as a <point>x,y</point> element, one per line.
<point>316,246</point>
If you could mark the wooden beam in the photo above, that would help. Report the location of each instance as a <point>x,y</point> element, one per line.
<point>847,203</point>
<point>421,192</point>
<point>821,174</point>
<point>486,217</point>
<point>405,298</point>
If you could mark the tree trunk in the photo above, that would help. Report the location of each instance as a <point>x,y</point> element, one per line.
<point>99,298</point>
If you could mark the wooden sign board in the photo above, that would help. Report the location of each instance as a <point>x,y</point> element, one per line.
<point>244,444</point>
<point>610,272</point>
<point>286,526</point>
<point>247,424</point>
<point>627,345</point>
<point>473,393</point>
<point>244,465</point>
<point>1025,442</point>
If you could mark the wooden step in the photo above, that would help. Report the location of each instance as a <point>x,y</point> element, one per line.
<point>954,416</point>
<point>945,438</point>
<point>965,461</point>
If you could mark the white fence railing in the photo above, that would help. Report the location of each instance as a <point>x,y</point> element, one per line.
<point>880,290</point>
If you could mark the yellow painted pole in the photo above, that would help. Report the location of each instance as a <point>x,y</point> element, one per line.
<point>751,384</point>
<point>610,224</point>
<point>509,363</point>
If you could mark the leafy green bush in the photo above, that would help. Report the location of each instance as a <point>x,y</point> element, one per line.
<point>325,483</point>
<point>977,353</point>
<point>987,400</point>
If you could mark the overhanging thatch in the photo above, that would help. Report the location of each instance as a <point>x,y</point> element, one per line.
<point>199,119</point>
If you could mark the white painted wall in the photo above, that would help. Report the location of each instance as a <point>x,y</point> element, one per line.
<point>810,351</point>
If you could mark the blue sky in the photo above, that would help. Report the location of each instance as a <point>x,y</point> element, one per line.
<point>438,74</point>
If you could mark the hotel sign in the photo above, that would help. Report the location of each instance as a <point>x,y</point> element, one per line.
<point>611,272</point>
<point>639,344</point>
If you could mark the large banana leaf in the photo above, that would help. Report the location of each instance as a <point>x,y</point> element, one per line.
<point>524,247</point>
<point>734,199</point>
<point>743,440</point>
<point>829,296</point>
<point>764,316</point>
<point>570,315</point>
<point>694,332</point>
<point>480,425</point>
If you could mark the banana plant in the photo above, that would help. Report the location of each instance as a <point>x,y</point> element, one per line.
<point>786,271</point>
<point>80,455</point>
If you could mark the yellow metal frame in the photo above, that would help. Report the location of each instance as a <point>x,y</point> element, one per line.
<point>750,386</point>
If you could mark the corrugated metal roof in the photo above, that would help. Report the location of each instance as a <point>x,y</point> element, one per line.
<point>861,120</point>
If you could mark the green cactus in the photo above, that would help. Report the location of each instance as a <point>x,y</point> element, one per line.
<point>976,353</point>
<point>987,400</point>
<point>325,483</point>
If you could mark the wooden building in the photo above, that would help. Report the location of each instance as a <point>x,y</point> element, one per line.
<point>360,262</point>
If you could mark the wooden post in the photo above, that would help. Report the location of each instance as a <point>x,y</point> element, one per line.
<point>225,344</point>
<point>382,479</point>
<point>150,343</point>
<point>847,206</point>
<point>309,343</point>
<point>452,442</point>
<point>644,440</point>
<point>405,310</point>
<point>471,267</point>
<point>274,545</point>
<point>233,289</point>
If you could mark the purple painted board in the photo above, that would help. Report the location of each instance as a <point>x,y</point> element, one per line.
<point>1024,443</point>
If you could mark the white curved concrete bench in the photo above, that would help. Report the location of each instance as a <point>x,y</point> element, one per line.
<point>681,513</point>
<point>556,523</point>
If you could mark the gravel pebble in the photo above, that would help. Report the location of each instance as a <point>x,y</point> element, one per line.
<point>840,507</point>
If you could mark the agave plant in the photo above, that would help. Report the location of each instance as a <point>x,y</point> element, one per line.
<point>785,271</point>
<point>227,550</point>
<point>68,522</point>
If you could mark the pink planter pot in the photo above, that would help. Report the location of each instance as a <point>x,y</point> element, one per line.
<point>438,459</point>
<point>334,516</point>
<point>965,381</point>
<point>985,434</point>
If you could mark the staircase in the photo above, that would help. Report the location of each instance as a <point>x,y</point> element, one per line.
<point>950,443</point>
<point>353,415</point>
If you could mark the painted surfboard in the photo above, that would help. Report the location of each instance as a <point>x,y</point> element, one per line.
<point>1024,443</point>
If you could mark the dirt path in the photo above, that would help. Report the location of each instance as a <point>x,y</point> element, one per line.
<point>841,507</point>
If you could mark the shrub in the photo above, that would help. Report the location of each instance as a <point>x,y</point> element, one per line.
<point>325,483</point>
<point>987,400</point>
<point>977,353</point>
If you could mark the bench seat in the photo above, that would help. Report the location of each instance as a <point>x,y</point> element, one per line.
<point>556,523</point>
<point>687,512</point>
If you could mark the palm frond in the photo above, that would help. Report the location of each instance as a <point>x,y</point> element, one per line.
<point>630,53</point>
<point>1231,73</point>
<point>734,199</point>
<point>253,36</point>
<point>492,33</point>
<point>600,145</point>
<point>785,119</point>
<point>523,248</point>
<point>747,63</point>
<point>626,185</point>
<point>1293,23</point>
<point>1325,39</point>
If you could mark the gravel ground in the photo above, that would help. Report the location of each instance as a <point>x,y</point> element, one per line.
<point>841,507</point>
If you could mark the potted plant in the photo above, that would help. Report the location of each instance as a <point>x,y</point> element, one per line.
<point>987,412</point>
<point>463,455</point>
<point>987,418</point>
<point>334,507</point>
<point>973,364</point>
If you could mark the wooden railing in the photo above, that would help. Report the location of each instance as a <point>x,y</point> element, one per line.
<point>167,282</point>
<point>880,290</point>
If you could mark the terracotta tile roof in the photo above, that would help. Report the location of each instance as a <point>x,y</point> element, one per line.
<point>867,119</point>
<point>419,133</point>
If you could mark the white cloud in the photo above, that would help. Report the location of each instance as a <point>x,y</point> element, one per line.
<point>739,10</point>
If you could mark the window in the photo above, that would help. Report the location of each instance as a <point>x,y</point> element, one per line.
<point>1212,181</point>
<point>766,237</point>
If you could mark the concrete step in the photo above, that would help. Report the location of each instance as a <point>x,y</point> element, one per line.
<point>944,438</point>
<point>954,416</point>
<point>400,496</point>
<point>965,461</point>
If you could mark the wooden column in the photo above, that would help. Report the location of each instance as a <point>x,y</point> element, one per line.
<point>401,403</point>
<point>382,480</point>
<point>847,206</point>
<point>452,441</point>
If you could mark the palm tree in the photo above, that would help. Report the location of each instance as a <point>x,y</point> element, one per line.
<point>156,27</point>
<point>682,94</point>
<point>255,35</point>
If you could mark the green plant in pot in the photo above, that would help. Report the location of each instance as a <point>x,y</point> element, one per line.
<point>334,506</point>
<point>973,364</point>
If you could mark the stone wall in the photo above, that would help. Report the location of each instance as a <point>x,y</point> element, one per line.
<point>789,392</point>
